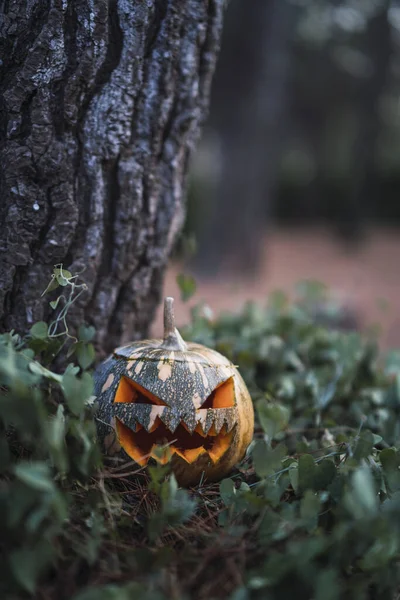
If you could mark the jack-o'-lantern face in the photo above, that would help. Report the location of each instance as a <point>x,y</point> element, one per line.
<point>183,398</point>
<point>145,422</point>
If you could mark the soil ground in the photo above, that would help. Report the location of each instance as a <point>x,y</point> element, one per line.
<point>365,278</point>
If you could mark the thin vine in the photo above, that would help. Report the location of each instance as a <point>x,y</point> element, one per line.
<point>63,278</point>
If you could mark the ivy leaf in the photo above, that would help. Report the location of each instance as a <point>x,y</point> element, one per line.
<point>325,474</point>
<point>266,460</point>
<point>307,470</point>
<point>77,390</point>
<point>56,439</point>
<point>294,479</point>
<point>53,285</point>
<point>309,509</point>
<point>326,395</point>
<point>28,564</point>
<point>86,334</point>
<point>364,445</point>
<point>314,476</point>
<point>176,507</point>
<point>35,475</point>
<point>85,354</point>
<point>362,500</point>
<point>40,330</point>
<point>187,286</point>
<point>38,369</point>
<point>273,416</point>
<point>227,491</point>
<point>328,586</point>
<point>54,303</point>
<point>63,276</point>
<point>390,461</point>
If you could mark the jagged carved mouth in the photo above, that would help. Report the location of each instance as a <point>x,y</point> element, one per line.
<point>141,445</point>
<point>145,424</point>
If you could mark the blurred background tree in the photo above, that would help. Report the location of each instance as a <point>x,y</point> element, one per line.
<point>304,126</point>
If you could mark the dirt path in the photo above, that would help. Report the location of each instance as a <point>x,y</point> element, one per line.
<point>362,278</point>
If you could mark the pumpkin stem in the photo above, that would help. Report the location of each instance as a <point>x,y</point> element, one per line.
<point>172,337</point>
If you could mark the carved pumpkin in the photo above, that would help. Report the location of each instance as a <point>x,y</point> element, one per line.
<point>183,397</point>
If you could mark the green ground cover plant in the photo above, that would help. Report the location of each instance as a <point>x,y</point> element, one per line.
<point>312,512</point>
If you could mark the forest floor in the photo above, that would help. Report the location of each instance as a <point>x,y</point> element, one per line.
<point>366,278</point>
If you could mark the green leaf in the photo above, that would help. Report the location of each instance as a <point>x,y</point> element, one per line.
<point>77,390</point>
<point>85,354</point>
<point>326,395</point>
<point>56,439</point>
<point>39,330</point>
<point>272,528</point>
<point>273,417</point>
<point>21,500</point>
<point>227,491</point>
<point>364,445</point>
<point>307,472</point>
<point>327,585</point>
<point>27,565</point>
<point>53,285</point>
<point>187,286</point>
<point>38,369</point>
<point>390,461</point>
<point>324,474</point>
<point>313,476</point>
<point>54,303</point>
<point>309,509</point>
<point>176,507</point>
<point>63,276</point>
<point>86,333</point>
<point>294,478</point>
<point>36,475</point>
<point>362,499</point>
<point>267,461</point>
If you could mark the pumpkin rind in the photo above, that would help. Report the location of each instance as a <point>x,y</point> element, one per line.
<point>181,380</point>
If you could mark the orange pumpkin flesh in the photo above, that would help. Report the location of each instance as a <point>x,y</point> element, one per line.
<point>141,444</point>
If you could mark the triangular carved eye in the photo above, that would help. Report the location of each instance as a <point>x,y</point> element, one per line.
<point>130,391</point>
<point>222,397</point>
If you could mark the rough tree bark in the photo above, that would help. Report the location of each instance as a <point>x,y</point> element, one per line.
<point>101,104</point>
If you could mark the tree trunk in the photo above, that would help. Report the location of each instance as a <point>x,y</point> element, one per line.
<point>101,104</point>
